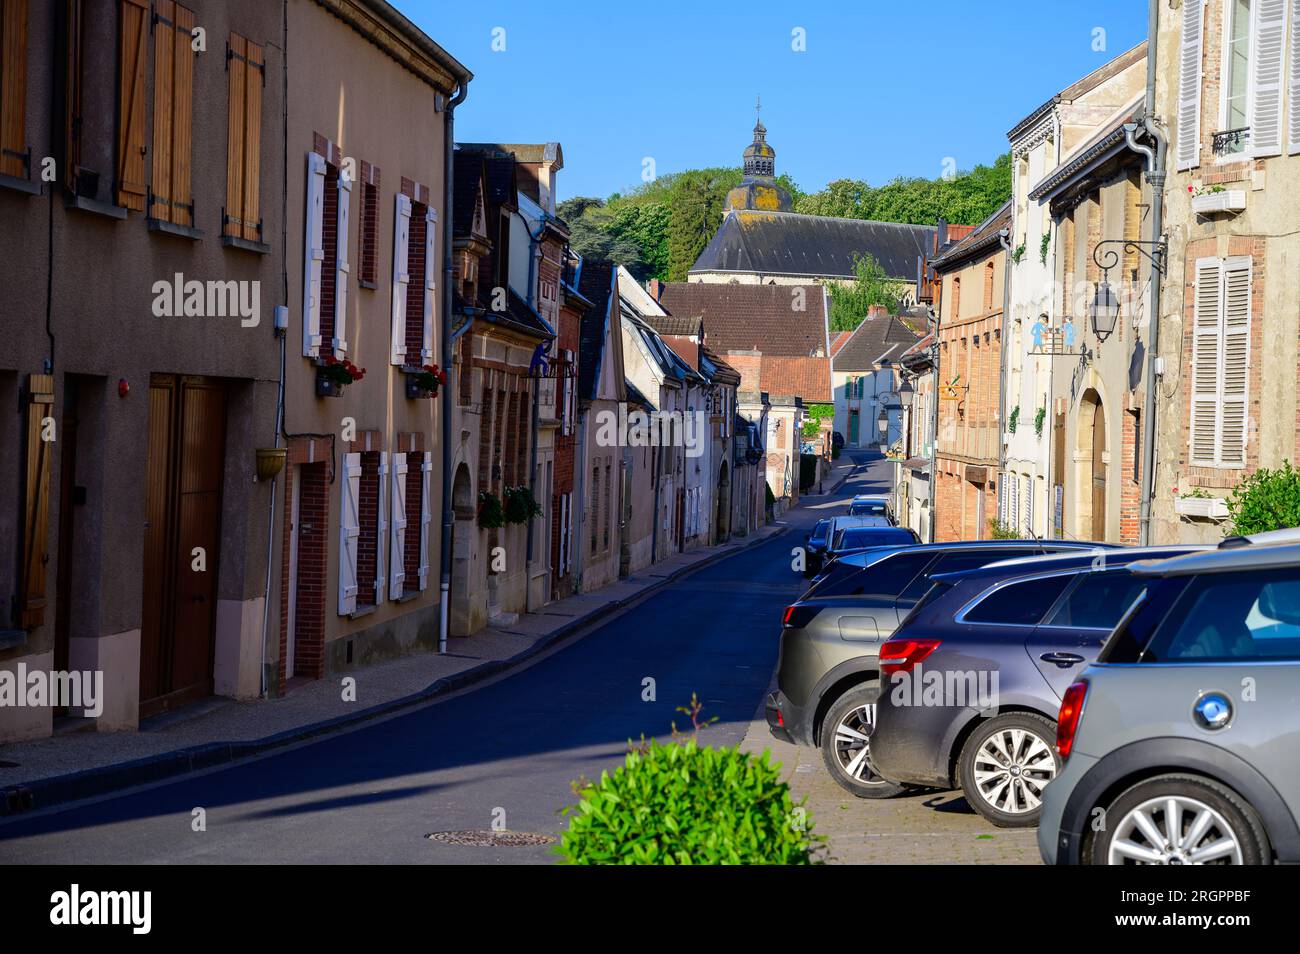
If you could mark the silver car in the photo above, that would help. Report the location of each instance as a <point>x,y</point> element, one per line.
<point>1180,743</point>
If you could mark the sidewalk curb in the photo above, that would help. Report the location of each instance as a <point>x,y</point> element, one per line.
<point>17,800</point>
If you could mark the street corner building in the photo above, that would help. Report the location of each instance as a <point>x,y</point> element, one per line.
<point>206,247</point>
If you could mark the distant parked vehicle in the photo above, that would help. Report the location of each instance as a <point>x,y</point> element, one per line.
<point>828,674</point>
<point>872,506</point>
<point>815,547</point>
<point>1182,736</point>
<point>837,440</point>
<point>975,674</point>
<point>857,539</point>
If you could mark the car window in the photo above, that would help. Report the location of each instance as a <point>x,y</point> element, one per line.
<point>955,561</point>
<point>874,537</point>
<point>886,577</point>
<point>866,509</point>
<point>818,534</point>
<point>1098,601</point>
<point>1232,616</point>
<point>935,591</point>
<point>1023,603</point>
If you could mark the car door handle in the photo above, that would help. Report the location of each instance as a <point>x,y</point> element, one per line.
<point>1064,660</point>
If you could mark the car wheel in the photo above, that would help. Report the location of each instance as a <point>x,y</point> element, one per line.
<point>846,744</point>
<point>1005,765</point>
<point>1179,820</point>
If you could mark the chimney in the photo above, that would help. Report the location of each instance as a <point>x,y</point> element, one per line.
<point>655,288</point>
<point>877,311</point>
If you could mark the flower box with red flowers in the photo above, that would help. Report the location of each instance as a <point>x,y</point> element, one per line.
<point>333,374</point>
<point>424,382</point>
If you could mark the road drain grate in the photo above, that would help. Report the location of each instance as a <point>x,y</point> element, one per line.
<point>482,838</point>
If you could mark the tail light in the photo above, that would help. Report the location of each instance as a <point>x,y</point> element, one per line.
<point>902,655</point>
<point>1068,722</point>
<point>799,615</point>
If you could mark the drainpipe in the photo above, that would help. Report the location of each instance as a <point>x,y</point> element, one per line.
<point>1004,237</point>
<point>1156,173</point>
<point>449,366</point>
<point>934,416</point>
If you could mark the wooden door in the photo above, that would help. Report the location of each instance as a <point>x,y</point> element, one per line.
<point>853,428</point>
<point>1098,472</point>
<point>187,427</point>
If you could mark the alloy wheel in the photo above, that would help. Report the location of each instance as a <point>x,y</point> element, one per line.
<point>853,743</point>
<point>1174,830</point>
<point>1012,768</point>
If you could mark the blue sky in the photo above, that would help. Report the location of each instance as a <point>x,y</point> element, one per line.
<point>883,88</point>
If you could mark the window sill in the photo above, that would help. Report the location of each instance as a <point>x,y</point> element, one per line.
<point>365,284</point>
<point>171,228</point>
<point>20,185</point>
<point>360,611</point>
<point>95,206</point>
<point>9,638</point>
<point>232,241</point>
<point>408,596</point>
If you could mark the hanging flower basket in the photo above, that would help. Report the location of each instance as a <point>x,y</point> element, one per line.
<point>490,514</point>
<point>333,375</point>
<point>425,382</point>
<point>520,505</point>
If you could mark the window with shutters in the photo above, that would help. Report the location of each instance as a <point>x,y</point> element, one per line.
<point>608,504</point>
<point>170,197</point>
<point>594,516</point>
<point>245,79</point>
<point>414,548</point>
<point>1293,82</point>
<point>133,42</point>
<point>326,255</point>
<point>371,526</point>
<point>1187,137</point>
<point>414,274</point>
<point>15,156</point>
<point>1220,362</point>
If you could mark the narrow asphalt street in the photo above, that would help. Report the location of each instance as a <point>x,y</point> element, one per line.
<point>506,750</point>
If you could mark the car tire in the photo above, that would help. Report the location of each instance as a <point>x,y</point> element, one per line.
<point>1231,830</point>
<point>1005,765</point>
<point>846,748</point>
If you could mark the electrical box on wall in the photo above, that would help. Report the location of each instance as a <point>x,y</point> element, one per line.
<point>282,318</point>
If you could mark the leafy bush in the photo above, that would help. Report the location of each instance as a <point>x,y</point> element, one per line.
<point>686,805</point>
<point>520,505</point>
<point>1266,500</point>
<point>1044,246</point>
<point>1039,418</point>
<point>490,514</point>
<point>1002,531</point>
<point>1013,420</point>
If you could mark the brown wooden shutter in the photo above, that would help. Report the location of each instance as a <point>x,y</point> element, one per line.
<point>36,496</point>
<point>72,93</point>
<point>245,62</point>
<point>13,88</point>
<point>173,109</point>
<point>131,148</point>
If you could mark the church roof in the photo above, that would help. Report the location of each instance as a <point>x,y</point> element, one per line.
<point>815,246</point>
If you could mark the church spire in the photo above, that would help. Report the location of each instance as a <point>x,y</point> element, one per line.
<point>758,189</point>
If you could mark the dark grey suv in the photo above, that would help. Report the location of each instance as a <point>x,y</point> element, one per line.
<point>827,673</point>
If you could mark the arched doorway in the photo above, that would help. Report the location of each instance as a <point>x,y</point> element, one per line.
<point>462,533</point>
<point>722,523</point>
<point>1090,467</point>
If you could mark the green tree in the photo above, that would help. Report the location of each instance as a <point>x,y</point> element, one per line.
<point>872,286</point>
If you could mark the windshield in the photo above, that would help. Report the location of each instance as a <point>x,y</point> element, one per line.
<point>867,508</point>
<point>856,538</point>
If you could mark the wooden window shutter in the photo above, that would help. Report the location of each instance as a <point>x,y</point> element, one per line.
<point>171,195</point>
<point>426,518</point>
<point>342,267</point>
<point>1187,147</point>
<point>1207,308</point>
<point>1267,45</point>
<point>14,158</point>
<point>131,144</point>
<point>246,68</point>
<point>349,532</point>
<point>430,282</point>
<point>314,254</point>
<point>1235,362</point>
<point>397,530</point>
<point>1293,85</point>
<point>401,278</point>
<point>381,531</point>
<point>36,497</point>
<point>72,93</point>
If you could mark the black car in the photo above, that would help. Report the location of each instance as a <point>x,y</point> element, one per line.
<point>973,677</point>
<point>815,546</point>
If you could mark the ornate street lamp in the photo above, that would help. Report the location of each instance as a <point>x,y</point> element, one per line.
<point>906,393</point>
<point>1104,310</point>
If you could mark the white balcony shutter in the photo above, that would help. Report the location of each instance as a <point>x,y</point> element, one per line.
<point>401,278</point>
<point>397,530</point>
<point>1029,505</point>
<point>426,518</point>
<point>1293,95</point>
<point>313,254</point>
<point>1268,43</point>
<point>381,531</point>
<point>349,532</point>
<point>341,267</point>
<point>1188,144</point>
<point>1013,500</point>
<point>1235,361</point>
<point>1207,308</point>
<point>430,286</point>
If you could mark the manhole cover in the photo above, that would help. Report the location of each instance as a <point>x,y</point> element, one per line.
<point>482,838</point>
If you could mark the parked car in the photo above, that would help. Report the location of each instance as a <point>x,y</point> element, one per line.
<point>1179,743</point>
<point>827,673</point>
<point>815,546</point>
<point>867,505</point>
<point>975,674</point>
<point>837,440</point>
<point>857,539</point>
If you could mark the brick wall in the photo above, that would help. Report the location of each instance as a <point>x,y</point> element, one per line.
<point>328,271</point>
<point>1130,498</point>
<point>313,552</point>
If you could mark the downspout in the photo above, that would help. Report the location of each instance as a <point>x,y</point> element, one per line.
<point>1156,177</point>
<point>534,253</point>
<point>449,366</point>
<point>934,416</point>
<point>1004,237</point>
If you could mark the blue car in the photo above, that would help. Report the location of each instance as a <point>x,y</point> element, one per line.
<point>972,679</point>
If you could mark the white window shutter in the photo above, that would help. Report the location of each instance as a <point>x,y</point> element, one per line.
<point>1188,145</point>
<point>341,268</point>
<point>313,254</point>
<point>1013,500</point>
<point>401,277</point>
<point>349,532</point>
<point>1029,505</point>
<point>1207,308</point>
<point>1235,362</point>
<point>430,285</point>
<point>397,530</point>
<point>1002,499</point>
<point>1293,137</point>
<point>1268,43</point>
<point>381,531</point>
<point>564,534</point>
<point>426,518</point>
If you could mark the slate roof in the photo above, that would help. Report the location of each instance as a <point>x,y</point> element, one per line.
<point>1109,139</point>
<point>752,317</point>
<point>674,324</point>
<point>984,236</point>
<point>818,246</point>
<point>467,173</point>
<point>877,338</point>
<point>595,281</point>
<point>722,372</point>
<point>807,378</point>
